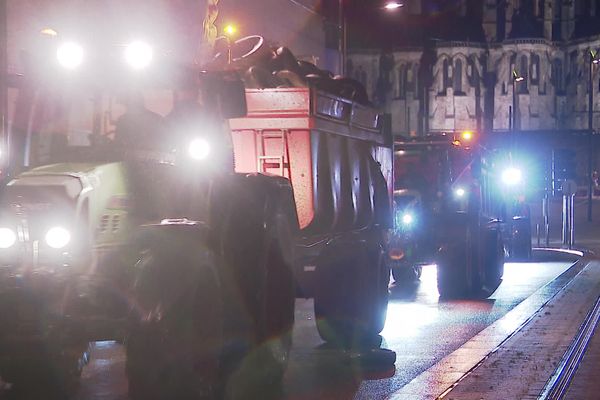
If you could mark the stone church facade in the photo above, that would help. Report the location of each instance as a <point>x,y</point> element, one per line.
<point>446,84</point>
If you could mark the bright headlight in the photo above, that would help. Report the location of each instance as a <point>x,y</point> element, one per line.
<point>138,54</point>
<point>459,192</point>
<point>512,176</point>
<point>58,237</point>
<point>407,219</point>
<point>199,149</point>
<point>69,55</point>
<point>7,238</point>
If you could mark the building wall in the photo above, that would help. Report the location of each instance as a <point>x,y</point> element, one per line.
<point>472,84</point>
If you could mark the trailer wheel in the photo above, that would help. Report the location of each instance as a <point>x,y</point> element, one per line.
<point>174,341</point>
<point>352,297</point>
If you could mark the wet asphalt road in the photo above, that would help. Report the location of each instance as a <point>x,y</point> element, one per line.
<point>420,328</point>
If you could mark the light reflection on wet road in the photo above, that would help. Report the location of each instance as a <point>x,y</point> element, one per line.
<point>420,327</point>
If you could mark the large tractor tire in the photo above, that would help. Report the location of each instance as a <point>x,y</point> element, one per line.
<point>55,371</point>
<point>493,262</point>
<point>407,274</point>
<point>521,249</point>
<point>258,287</point>
<point>472,265</point>
<point>352,294</point>
<point>173,346</point>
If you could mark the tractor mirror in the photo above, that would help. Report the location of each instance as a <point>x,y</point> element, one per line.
<point>226,92</point>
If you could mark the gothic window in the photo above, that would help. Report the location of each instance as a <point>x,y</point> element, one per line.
<point>447,75</point>
<point>573,66</point>
<point>402,82</point>
<point>557,75</point>
<point>458,77</point>
<point>522,71</point>
<point>535,69</point>
<point>415,76</point>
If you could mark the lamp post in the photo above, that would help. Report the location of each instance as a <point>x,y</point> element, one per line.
<point>516,78</point>
<point>343,31</point>
<point>593,60</point>
<point>228,32</point>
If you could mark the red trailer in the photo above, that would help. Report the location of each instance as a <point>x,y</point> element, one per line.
<point>339,161</point>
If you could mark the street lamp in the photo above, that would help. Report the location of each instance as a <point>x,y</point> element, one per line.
<point>593,61</point>
<point>229,32</point>
<point>343,30</point>
<point>516,78</point>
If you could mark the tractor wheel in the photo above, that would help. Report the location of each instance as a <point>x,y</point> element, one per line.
<point>456,262</point>
<point>521,240</point>
<point>407,274</point>
<point>56,376</point>
<point>493,260</point>
<point>174,342</point>
<point>352,297</point>
<point>256,370</point>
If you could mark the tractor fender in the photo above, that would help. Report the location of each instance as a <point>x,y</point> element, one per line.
<point>251,198</point>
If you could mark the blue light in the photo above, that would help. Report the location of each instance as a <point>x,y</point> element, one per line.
<point>512,176</point>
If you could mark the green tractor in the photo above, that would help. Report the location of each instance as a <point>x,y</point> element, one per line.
<point>182,237</point>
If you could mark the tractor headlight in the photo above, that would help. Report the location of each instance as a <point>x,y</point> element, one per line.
<point>407,220</point>
<point>138,54</point>
<point>69,55</point>
<point>58,237</point>
<point>512,176</point>
<point>460,192</point>
<point>199,149</point>
<point>7,238</point>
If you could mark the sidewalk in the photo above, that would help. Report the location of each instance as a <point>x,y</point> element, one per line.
<point>521,366</point>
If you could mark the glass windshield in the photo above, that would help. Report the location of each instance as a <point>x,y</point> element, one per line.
<point>50,199</point>
<point>79,126</point>
<point>428,169</point>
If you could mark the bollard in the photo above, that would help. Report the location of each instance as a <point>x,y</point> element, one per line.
<point>571,221</point>
<point>546,214</point>
<point>565,220</point>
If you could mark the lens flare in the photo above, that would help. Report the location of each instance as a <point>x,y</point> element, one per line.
<point>7,238</point>
<point>58,237</point>
<point>138,54</point>
<point>69,55</point>
<point>199,149</point>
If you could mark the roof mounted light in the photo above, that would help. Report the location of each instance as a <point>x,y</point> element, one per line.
<point>69,55</point>
<point>138,54</point>
<point>393,5</point>
<point>512,176</point>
